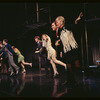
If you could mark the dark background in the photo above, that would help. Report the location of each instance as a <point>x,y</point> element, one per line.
<point>18,23</point>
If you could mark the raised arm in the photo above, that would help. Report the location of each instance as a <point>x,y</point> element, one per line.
<point>71,26</point>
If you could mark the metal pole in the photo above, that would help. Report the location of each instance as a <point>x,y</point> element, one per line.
<point>39,64</point>
<point>37,8</point>
<point>82,50</point>
<point>40,74</point>
<point>26,13</point>
<point>49,16</point>
<point>86,44</point>
<point>86,36</point>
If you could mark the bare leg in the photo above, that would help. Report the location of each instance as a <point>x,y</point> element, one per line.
<point>54,67</point>
<point>23,68</point>
<point>60,63</point>
<point>26,63</point>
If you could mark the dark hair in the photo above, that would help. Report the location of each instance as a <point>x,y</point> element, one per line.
<point>53,22</point>
<point>37,37</point>
<point>0,42</point>
<point>5,40</point>
<point>13,47</point>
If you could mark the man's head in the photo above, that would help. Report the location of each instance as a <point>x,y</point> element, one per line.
<point>60,21</point>
<point>53,26</point>
<point>5,41</point>
<point>37,38</point>
<point>0,43</point>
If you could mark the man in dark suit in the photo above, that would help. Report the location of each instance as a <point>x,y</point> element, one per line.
<point>3,59</point>
<point>9,54</point>
<point>42,52</point>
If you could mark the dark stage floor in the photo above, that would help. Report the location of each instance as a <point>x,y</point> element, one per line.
<point>31,84</point>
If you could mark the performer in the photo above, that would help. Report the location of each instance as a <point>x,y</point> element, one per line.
<point>21,59</point>
<point>9,54</point>
<point>3,60</point>
<point>51,53</point>
<point>69,46</point>
<point>55,28</point>
<point>42,53</point>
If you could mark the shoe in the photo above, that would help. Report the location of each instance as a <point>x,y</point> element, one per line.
<point>17,72</point>
<point>31,64</point>
<point>12,73</point>
<point>24,71</point>
<point>55,74</point>
<point>66,67</point>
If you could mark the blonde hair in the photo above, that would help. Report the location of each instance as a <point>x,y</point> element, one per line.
<point>61,19</point>
<point>44,35</point>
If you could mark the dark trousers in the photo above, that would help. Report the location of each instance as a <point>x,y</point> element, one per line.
<point>70,58</point>
<point>3,67</point>
<point>45,64</point>
<point>70,76</point>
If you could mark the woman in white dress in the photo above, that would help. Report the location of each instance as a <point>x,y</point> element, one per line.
<point>51,53</point>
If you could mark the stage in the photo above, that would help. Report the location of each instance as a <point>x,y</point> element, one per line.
<point>20,23</point>
<point>33,85</point>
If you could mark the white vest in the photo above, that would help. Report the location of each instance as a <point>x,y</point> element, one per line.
<point>68,40</point>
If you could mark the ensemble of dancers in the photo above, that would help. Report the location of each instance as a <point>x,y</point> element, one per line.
<point>66,47</point>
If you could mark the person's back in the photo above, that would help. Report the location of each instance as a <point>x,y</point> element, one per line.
<point>10,53</point>
<point>8,46</point>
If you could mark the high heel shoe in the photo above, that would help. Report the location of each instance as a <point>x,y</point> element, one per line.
<point>55,74</point>
<point>31,64</point>
<point>12,73</point>
<point>24,71</point>
<point>66,67</point>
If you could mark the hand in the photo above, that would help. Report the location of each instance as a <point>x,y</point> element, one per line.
<point>57,43</point>
<point>36,51</point>
<point>79,17</point>
<point>61,54</point>
<point>36,48</point>
<point>1,58</point>
<point>81,14</point>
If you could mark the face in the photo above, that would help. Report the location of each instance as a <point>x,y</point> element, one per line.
<point>43,37</point>
<point>0,45</point>
<point>58,23</point>
<point>36,39</point>
<point>4,42</point>
<point>54,27</point>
